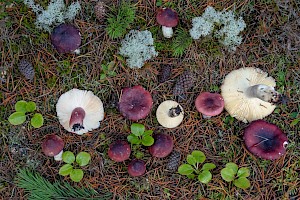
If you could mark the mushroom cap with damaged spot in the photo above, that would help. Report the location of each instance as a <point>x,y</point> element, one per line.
<point>265,140</point>
<point>135,103</point>
<point>52,145</point>
<point>163,114</point>
<point>209,104</point>
<point>77,100</point>
<point>237,104</point>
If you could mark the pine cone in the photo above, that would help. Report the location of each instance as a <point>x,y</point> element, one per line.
<point>165,73</point>
<point>100,10</point>
<point>174,160</point>
<point>184,83</point>
<point>26,69</point>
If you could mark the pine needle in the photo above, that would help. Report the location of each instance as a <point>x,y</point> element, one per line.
<point>41,189</point>
<point>181,42</point>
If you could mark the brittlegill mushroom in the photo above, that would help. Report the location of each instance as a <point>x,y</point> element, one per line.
<point>66,38</point>
<point>169,114</point>
<point>135,103</point>
<point>79,111</point>
<point>249,94</point>
<point>163,145</point>
<point>265,140</point>
<point>53,146</point>
<point>168,18</point>
<point>209,104</point>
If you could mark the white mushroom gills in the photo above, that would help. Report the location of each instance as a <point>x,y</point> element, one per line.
<point>167,31</point>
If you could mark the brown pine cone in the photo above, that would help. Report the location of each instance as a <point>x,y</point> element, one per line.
<point>165,73</point>
<point>100,10</point>
<point>26,69</point>
<point>174,160</point>
<point>184,82</point>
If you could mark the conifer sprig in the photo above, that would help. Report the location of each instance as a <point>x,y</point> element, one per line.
<point>181,42</point>
<point>41,189</point>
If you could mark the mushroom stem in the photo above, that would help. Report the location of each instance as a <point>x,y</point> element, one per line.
<point>167,31</point>
<point>263,92</point>
<point>76,119</point>
<point>175,111</point>
<point>206,116</point>
<point>58,157</point>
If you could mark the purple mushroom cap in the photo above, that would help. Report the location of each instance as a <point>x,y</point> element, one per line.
<point>265,140</point>
<point>136,167</point>
<point>163,145</point>
<point>65,38</point>
<point>167,17</point>
<point>119,151</point>
<point>52,145</point>
<point>135,103</point>
<point>210,104</point>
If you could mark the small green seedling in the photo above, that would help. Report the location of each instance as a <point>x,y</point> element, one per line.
<point>22,108</point>
<point>107,70</point>
<point>193,168</point>
<point>140,136</point>
<point>82,159</point>
<point>232,173</point>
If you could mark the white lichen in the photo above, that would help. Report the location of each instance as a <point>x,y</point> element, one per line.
<point>221,25</point>
<point>138,47</point>
<point>56,13</point>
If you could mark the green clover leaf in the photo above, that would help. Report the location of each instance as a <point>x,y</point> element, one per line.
<point>232,166</point>
<point>68,157</point>
<point>30,106</point>
<point>65,170</point>
<point>147,140</point>
<point>228,174</point>
<point>20,106</point>
<point>242,182</point>
<point>208,166</point>
<point>17,118</point>
<point>37,120</point>
<point>191,160</point>
<point>243,172</point>
<point>133,139</point>
<point>205,176</point>
<point>83,158</point>
<point>137,129</point>
<point>185,169</point>
<point>199,156</point>
<point>76,175</point>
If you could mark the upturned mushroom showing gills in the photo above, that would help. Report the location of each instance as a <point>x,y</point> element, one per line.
<point>79,111</point>
<point>209,104</point>
<point>168,18</point>
<point>169,114</point>
<point>249,94</point>
<point>66,38</point>
<point>53,146</point>
<point>135,103</point>
<point>265,140</point>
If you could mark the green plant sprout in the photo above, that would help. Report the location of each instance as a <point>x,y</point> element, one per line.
<point>192,168</point>
<point>239,176</point>
<point>139,137</point>
<point>19,117</point>
<point>120,19</point>
<point>82,159</point>
<point>107,70</point>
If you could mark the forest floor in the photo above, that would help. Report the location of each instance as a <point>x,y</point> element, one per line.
<point>270,42</point>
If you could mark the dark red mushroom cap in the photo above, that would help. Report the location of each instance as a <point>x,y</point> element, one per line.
<point>65,38</point>
<point>163,145</point>
<point>210,104</point>
<point>52,145</point>
<point>119,151</point>
<point>167,17</point>
<point>265,140</point>
<point>135,103</point>
<point>136,168</point>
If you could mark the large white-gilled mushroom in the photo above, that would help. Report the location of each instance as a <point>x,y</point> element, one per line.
<point>249,94</point>
<point>169,114</point>
<point>79,111</point>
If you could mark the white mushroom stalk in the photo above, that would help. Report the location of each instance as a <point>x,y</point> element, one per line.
<point>167,31</point>
<point>264,92</point>
<point>58,157</point>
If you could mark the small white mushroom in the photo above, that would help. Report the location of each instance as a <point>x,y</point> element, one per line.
<point>249,94</point>
<point>169,114</point>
